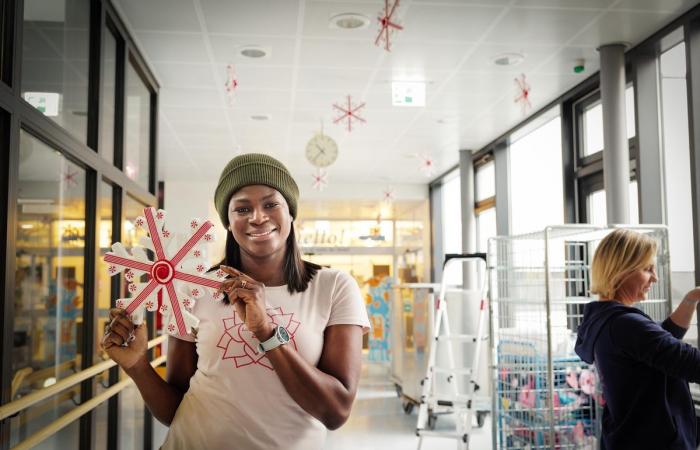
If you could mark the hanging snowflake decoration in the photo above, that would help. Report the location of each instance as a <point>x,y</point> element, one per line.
<point>388,195</point>
<point>241,345</point>
<point>70,178</point>
<point>349,113</point>
<point>320,179</point>
<point>427,165</point>
<point>522,93</point>
<point>386,27</point>
<point>231,83</point>
<point>179,270</point>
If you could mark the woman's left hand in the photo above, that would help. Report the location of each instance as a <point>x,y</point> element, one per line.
<point>693,296</point>
<point>248,297</point>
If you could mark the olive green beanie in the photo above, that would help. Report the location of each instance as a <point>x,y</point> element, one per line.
<point>254,168</point>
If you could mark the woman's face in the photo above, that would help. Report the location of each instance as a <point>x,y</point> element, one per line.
<point>259,220</point>
<point>637,284</point>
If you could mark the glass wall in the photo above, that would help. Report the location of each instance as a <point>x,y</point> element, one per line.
<point>677,177</point>
<point>137,127</point>
<point>451,222</point>
<point>485,208</point>
<point>108,90</point>
<point>537,201</point>
<point>49,282</point>
<point>55,54</point>
<point>592,122</point>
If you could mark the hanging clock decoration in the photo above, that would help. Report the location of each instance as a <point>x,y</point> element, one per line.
<point>322,150</point>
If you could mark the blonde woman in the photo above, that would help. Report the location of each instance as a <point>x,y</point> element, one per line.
<point>644,366</point>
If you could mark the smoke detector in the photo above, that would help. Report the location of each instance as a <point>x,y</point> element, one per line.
<point>508,59</point>
<point>348,21</point>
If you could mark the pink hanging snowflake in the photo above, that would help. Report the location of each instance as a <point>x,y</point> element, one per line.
<point>349,113</point>
<point>388,195</point>
<point>231,83</point>
<point>320,179</point>
<point>70,178</point>
<point>386,26</point>
<point>427,165</point>
<point>522,93</point>
<point>176,268</point>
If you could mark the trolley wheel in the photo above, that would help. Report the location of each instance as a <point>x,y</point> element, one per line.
<point>432,420</point>
<point>408,407</point>
<point>480,418</point>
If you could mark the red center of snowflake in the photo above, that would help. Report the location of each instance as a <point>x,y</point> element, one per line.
<point>162,272</point>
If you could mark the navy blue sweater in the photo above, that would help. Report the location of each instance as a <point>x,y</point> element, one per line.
<point>644,369</point>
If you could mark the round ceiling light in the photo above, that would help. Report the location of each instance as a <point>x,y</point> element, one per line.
<point>254,51</point>
<point>260,117</point>
<point>348,21</point>
<point>508,59</point>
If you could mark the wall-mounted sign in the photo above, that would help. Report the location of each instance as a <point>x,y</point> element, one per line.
<point>45,102</point>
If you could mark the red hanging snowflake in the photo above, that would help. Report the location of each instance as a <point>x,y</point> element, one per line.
<point>70,178</point>
<point>349,113</point>
<point>427,165</point>
<point>231,83</point>
<point>388,196</point>
<point>320,178</point>
<point>241,345</point>
<point>387,27</point>
<point>522,93</point>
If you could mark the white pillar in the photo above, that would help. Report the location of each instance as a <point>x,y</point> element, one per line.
<point>466,175</point>
<point>616,168</point>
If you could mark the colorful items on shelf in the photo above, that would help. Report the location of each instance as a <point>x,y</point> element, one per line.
<point>378,310</point>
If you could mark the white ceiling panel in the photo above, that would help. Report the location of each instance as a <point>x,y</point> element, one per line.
<point>339,54</point>
<point>565,59</point>
<point>343,81</point>
<point>619,26</point>
<point>185,75</point>
<point>258,17</point>
<point>317,16</point>
<point>592,4</point>
<point>190,97</point>
<point>424,56</point>
<point>262,78</point>
<point>540,26</point>
<point>226,49</point>
<point>447,23</point>
<point>669,6</point>
<point>161,15</point>
<point>174,47</point>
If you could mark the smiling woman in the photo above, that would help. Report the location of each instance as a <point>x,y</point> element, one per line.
<point>278,361</point>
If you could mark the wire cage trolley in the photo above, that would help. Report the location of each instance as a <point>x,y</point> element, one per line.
<point>455,359</point>
<point>545,397</point>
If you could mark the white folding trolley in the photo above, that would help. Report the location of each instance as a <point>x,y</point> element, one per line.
<point>462,404</point>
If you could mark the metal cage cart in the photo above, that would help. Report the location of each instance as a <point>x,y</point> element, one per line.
<point>544,396</point>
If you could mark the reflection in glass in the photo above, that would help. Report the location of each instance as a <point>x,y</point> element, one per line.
<point>48,286</point>
<point>55,52</point>
<point>107,99</point>
<point>137,128</point>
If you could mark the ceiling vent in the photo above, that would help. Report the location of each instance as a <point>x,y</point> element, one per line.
<point>254,51</point>
<point>508,59</point>
<point>348,21</point>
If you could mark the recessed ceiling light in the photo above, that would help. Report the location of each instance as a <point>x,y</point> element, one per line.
<point>348,21</point>
<point>508,59</point>
<point>260,117</point>
<point>254,51</point>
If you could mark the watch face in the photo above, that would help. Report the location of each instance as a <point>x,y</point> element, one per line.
<point>321,151</point>
<point>283,334</point>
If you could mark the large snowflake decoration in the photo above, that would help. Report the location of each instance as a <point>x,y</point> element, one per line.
<point>231,83</point>
<point>179,270</point>
<point>427,165</point>
<point>320,180</point>
<point>349,112</point>
<point>522,93</point>
<point>239,343</point>
<point>386,26</point>
<point>70,177</point>
<point>388,195</point>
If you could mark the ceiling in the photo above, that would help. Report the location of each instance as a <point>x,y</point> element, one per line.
<point>450,45</point>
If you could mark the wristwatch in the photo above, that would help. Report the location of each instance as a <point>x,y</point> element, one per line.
<point>280,337</point>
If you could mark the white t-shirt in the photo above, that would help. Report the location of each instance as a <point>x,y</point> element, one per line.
<point>235,399</point>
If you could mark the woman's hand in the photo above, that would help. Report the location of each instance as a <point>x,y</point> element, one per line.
<point>248,297</point>
<point>693,296</point>
<point>124,342</point>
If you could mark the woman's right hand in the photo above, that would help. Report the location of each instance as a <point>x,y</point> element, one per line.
<point>119,332</point>
<point>693,296</point>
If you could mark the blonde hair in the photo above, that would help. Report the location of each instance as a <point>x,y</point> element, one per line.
<point>619,254</point>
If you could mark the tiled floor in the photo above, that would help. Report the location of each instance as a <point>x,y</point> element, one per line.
<point>378,421</point>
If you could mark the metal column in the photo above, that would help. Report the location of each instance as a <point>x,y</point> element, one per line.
<point>616,168</point>
<point>466,175</point>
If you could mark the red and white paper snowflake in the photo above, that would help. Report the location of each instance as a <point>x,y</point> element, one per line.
<point>180,271</point>
<point>241,345</point>
<point>231,83</point>
<point>427,165</point>
<point>320,180</point>
<point>522,95</point>
<point>388,195</point>
<point>349,113</point>
<point>387,25</point>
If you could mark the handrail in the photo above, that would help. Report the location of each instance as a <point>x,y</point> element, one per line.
<point>75,413</point>
<point>66,383</point>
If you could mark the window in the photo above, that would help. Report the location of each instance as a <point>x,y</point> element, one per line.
<point>485,207</point>
<point>49,279</point>
<point>597,209</point>
<point>108,97</point>
<point>55,37</point>
<point>592,123</point>
<point>452,222</point>
<point>536,190</point>
<point>137,128</point>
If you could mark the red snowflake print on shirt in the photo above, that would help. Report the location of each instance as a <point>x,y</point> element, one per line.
<point>239,343</point>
